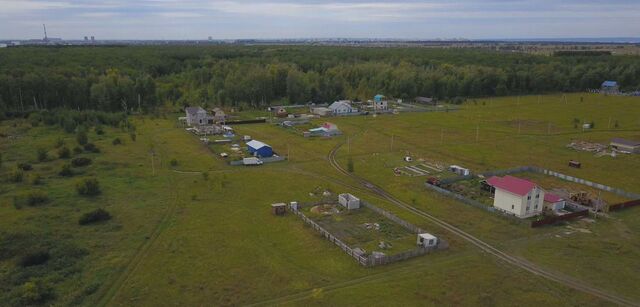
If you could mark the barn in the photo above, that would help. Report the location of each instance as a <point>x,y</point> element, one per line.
<point>259,149</point>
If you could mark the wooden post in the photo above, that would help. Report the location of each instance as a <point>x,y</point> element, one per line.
<point>477,133</point>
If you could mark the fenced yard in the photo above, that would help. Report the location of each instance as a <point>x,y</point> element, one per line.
<point>355,237</point>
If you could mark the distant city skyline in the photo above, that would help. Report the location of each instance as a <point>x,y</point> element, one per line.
<point>279,19</point>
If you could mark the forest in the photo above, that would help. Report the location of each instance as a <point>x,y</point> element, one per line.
<point>141,78</point>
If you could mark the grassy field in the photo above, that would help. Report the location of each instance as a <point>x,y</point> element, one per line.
<point>180,237</point>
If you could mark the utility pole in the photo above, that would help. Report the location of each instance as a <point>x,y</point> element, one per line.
<point>349,145</point>
<point>477,133</point>
<point>519,125</point>
<point>609,125</point>
<point>442,136</point>
<point>153,168</point>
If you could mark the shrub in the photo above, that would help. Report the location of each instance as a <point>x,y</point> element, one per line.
<point>117,141</point>
<point>68,125</point>
<point>66,171</point>
<point>35,179</point>
<point>77,150</point>
<point>205,176</point>
<point>88,187</point>
<point>25,166</point>
<point>41,154</point>
<point>94,216</point>
<point>90,147</point>
<point>173,162</point>
<point>34,258</point>
<point>16,175</point>
<point>81,137</point>
<point>133,136</point>
<point>80,162</point>
<point>59,143</point>
<point>34,292</point>
<point>99,130</point>
<point>31,199</point>
<point>64,153</point>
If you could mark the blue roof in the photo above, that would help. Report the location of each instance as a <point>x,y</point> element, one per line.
<point>609,83</point>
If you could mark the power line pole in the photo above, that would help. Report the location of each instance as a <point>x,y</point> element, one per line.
<point>477,133</point>
<point>392,142</point>
<point>442,136</point>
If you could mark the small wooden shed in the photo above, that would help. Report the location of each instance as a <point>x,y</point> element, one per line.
<point>279,209</point>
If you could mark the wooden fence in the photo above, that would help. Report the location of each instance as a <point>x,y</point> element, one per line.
<point>371,260</point>
<point>554,219</point>
<point>624,205</point>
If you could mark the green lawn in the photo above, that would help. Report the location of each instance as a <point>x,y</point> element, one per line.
<point>178,237</point>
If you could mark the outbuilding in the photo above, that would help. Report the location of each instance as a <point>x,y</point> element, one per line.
<point>279,209</point>
<point>259,149</point>
<point>553,202</point>
<point>610,87</point>
<point>625,145</point>
<point>349,201</point>
<point>427,240</point>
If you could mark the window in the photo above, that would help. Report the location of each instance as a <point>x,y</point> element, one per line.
<point>538,195</point>
<point>512,207</point>
<point>528,208</point>
<point>536,207</point>
<point>529,197</point>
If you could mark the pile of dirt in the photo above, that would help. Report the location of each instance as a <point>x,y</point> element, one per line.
<point>326,209</point>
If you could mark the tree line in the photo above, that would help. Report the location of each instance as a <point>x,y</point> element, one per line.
<point>136,78</point>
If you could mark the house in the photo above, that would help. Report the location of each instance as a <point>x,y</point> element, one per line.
<point>379,104</point>
<point>610,87</point>
<point>426,100</point>
<point>342,107</point>
<point>517,196</point>
<point>197,116</point>
<point>349,201</point>
<point>259,149</point>
<point>219,116</point>
<point>553,202</point>
<point>625,145</point>
<point>327,129</point>
<point>427,240</point>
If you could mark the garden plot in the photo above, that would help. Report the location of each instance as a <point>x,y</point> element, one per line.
<point>417,170</point>
<point>362,228</point>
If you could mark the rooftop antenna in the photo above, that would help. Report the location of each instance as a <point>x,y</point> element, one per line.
<point>45,32</point>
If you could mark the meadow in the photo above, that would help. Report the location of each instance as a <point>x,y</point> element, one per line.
<point>200,232</point>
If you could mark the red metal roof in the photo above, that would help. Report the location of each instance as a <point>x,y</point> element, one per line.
<point>512,184</point>
<point>551,198</point>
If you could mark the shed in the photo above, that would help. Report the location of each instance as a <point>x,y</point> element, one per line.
<point>279,209</point>
<point>378,98</point>
<point>427,240</point>
<point>625,145</point>
<point>460,170</point>
<point>610,87</point>
<point>553,202</point>
<point>259,149</point>
<point>349,201</point>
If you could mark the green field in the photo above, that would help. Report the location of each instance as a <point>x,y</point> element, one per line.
<point>180,237</point>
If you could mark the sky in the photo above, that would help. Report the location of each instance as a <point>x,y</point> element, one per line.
<point>268,19</point>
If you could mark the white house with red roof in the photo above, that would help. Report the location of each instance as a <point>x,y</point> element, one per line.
<point>517,196</point>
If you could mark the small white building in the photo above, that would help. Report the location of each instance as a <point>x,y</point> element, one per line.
<point>349,201</point>
<point>517,196</point>
<point>342,107</point>
<point>460,170</point>
<point>381,105</point>
<point>427,240</point>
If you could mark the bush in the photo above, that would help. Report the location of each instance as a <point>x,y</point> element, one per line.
<point>133,136</point>
<point>64,153</point>
<point>80,162</point>
<point>77,150</point>
<point>59,143</point>
<point>117,141</point>
<point>41,154</point>
<point>25,166</point>
<point>94,216</point>
<point>99,130</point>
<point>34,293</point>
<point>34,258</point>
<point>31,199</point>
<point>90,147</point>
<point>66,171</point>
<point>88,187</point>
<point>173,162</point>
<point>35,179</point>
<point>17,175</point>
<point>81,137</point>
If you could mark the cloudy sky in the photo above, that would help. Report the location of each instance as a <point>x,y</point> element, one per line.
<point>224,19</point>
